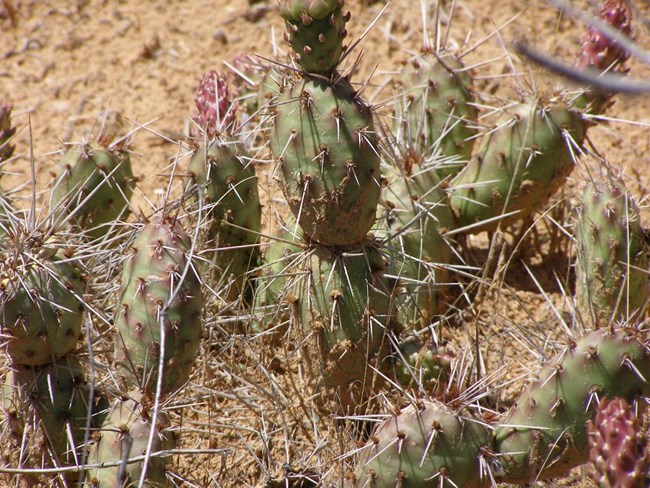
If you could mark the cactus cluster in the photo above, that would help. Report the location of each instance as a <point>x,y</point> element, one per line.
<point>354,291</point>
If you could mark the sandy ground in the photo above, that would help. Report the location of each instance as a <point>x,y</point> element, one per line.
<point>61,62</point>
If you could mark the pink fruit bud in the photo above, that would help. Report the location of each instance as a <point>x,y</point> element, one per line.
<point>215,105</point>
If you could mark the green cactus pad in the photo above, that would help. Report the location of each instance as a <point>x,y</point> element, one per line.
<point>315,31</point>
<point>224,175</point>
<point>160,292</point>
<point>126,431</point>
<point>349,305</point>
<point>93,187</point>
<point>41,309</point>
<point>518,166</point>
<point>611,276</point>
<point>325,142</point>
<point>343,302</point>
<point>435,113</point>
<point>415,211</point>
<point>48,411</point>
<point>544,435</point>
<point>426,445</point>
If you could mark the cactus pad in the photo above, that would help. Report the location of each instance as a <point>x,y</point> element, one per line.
<point>325,142</point>
<point>126,432</point>
<point>160,292</point>
<point>544,434</point>
<point>41,309</point>
<point>315,31</point>
<point>611,277</point>
<point>426,445</point>
<point>518,166</point>
<point>93,187</point>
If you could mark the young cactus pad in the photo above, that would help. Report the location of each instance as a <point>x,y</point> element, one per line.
<point>324,139</point>
<point>161,294</point>
<point>611,276</point>
<point>517,167</point>
<point>93,187</point>
<point>426,445</point>
<point>600,53</point>
<point>315,31</point>
<point>544,435</point>
<point>216,111</point>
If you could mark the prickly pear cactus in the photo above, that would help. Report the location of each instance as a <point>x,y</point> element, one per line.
<point>618,452</point>
<point>40,307</point>
<point>426,445</point>
<point>347,303</point>
<point>315,31</point>
<point>125,434</point>
<point>224,178</point>
<point>436,114</point>
<point>611,278</point>
<point>325,141</point>
<point>160,300</point>
<point>414,214</point>
<point>6,131</point>
<point>92,188</point>
<point>544,434</point>
<point>517,166</point>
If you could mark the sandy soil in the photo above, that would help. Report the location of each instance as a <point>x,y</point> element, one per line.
<point>63,61</point>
